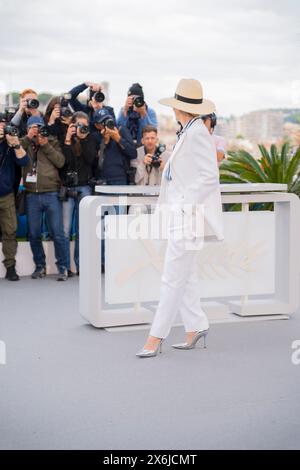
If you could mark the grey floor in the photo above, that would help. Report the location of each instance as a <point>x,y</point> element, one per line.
<point>67,385</point>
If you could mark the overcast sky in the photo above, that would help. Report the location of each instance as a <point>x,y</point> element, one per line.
<point>245,53</point>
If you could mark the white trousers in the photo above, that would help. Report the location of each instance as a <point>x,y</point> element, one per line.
<point>180,291</point>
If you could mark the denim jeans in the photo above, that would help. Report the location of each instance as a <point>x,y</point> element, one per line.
<point>48,203</point>
<point>70,210</point>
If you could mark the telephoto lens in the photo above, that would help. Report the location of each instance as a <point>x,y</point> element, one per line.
<point>44,131</point>
<point>11,130</point>
<point>99,96</point>
<point>33,103</point>
<point>138,101</point>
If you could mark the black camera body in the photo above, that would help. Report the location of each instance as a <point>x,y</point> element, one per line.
<point>68,190</point>
<point>65,193</point>
<point>66,109</point>
<point>11,130</point>
<point>43,131</point>
<point>130,173</point>
<point>156,157</point>
<point>7,115</point>
<point>138,101</point>
<point>83,129</point>
<point>32,104</point>
<point>71,178</point>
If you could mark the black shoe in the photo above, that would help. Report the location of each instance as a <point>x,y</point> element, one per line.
<point>11,274</point>
<point>39,273</point>
<point>77,274</point>
<point>62,275</point>
<point>70,273</point>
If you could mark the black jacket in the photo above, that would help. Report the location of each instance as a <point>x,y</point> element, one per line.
<point>117,157</point>
<point>82,163</point>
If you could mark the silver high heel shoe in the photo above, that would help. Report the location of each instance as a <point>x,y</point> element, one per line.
<point>150,352</point>
<point>192,344</point>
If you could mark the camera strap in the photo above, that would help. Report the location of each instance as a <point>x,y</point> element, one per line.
<point>101,154</point>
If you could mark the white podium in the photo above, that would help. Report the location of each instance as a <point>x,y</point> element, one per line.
<point>254,271</point>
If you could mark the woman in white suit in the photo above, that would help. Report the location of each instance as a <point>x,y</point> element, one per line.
<point>190,180</point>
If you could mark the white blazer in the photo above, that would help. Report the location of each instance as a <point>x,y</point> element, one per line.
<point>195,177</point>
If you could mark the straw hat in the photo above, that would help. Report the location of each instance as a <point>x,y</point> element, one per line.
<point>189,98</point>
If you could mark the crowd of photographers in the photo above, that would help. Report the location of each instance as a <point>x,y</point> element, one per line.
<point>61,155</point>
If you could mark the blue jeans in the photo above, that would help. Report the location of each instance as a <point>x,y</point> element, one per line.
<point>38,204</point>
<point>70,210</point>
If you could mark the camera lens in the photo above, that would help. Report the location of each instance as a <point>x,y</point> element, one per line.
<point>44,131</point>
<point>138,101</point>
<point>33,104</point>
<point>109,123</point>
<point>83,129</point>
<point>66,112</point>
<point>99,96</point>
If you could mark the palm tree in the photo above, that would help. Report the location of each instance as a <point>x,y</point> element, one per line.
<point>272,167</point>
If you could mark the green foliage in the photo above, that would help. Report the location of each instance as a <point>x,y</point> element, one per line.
<point>273,166</point>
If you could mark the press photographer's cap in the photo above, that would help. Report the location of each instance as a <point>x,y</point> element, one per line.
<point>101,115</point>
<point>188,97</point>
<point>136,89</point>
<point>35,121</point>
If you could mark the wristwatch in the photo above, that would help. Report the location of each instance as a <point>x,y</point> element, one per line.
<point>16,147</point>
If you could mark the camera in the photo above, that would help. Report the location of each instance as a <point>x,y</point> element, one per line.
<point>130,172</point>
<point>66,109</point>
<point>11,130</point>
<point>93,182</point>
<point>156,157</point>
<point>138,101</point>
<point>83,129</point>
<point>7,115</point>
<point>99,96</point>
<point>71,178</point>
<point>43,131</point>
<point>109,123</point>
<point>65,193</point>
<point>32,104</point>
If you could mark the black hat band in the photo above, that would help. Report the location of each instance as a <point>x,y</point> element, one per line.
<point>188,100</point>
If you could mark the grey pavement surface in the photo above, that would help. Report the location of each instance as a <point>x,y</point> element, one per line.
<point>67,385</point>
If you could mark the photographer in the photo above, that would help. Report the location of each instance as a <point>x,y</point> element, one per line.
<point>115,155</point>
<point>58,116</point>
<point>42,183</point>
<point>151,158</point>
<point>116,152</point>
<point>136,114</point>
<point>28,106</point>
<point>11,154</point>
<point>210,121</point>
<point>80,148</point>
<point>95,101</point>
